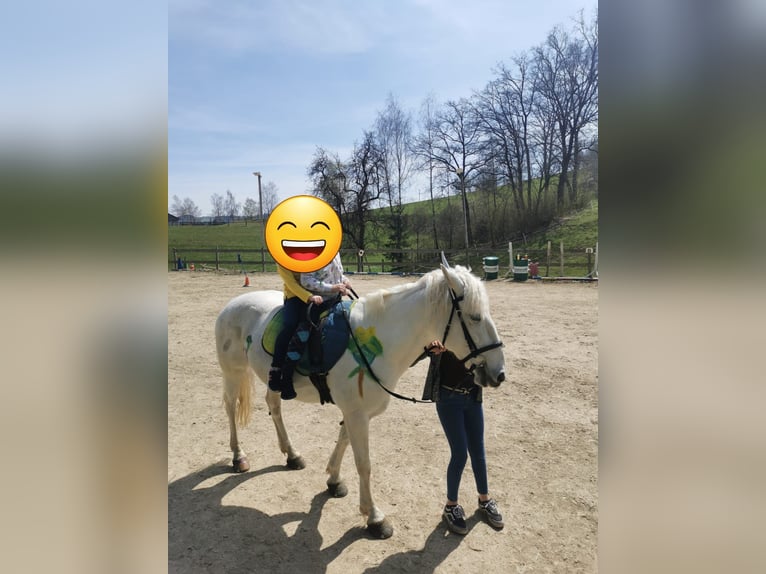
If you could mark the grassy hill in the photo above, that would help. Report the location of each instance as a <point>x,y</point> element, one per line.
<point>577,230</point>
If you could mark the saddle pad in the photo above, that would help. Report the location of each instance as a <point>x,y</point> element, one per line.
<point>334,337</point>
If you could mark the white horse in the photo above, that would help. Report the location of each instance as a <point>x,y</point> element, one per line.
<point>404,319</point>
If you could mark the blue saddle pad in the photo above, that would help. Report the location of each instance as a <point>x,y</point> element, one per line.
<point>334,337</point>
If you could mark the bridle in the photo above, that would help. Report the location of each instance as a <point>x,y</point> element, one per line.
<point>475,351</point>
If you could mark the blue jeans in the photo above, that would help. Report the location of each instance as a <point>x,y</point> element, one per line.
<point>293,313</point>
<point>462,419</point>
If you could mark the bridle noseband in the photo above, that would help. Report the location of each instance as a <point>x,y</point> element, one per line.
<point>475,351</point>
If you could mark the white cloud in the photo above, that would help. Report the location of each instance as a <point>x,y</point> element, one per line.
<point>290,25</point>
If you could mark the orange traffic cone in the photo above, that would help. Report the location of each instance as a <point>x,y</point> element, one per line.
<point>247,281</point>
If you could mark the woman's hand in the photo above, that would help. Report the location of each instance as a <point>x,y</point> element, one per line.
<point>435,347</point>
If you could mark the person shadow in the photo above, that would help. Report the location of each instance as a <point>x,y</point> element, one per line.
<point>204,535</point>
<point>438,546</point>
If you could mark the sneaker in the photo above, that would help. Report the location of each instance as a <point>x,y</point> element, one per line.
<point>455,518</point>
<point>288,391</point>
<point>491,513</point>
<point>275,380</point>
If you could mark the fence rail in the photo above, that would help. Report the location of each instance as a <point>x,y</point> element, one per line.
<point>568,262</point>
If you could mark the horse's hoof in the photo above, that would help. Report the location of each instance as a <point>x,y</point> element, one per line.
<point>381,530</point>
<point>241,465</point>
<point>337,490</point>
<point>296,463</point>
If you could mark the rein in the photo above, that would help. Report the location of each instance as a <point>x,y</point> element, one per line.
<point>475,351</point>
<point>369,367</point>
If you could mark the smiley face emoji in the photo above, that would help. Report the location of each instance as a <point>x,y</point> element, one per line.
<point>303,233</point>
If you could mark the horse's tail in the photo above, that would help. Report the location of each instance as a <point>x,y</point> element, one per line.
<point>236,394</point>
<point>243,398</point>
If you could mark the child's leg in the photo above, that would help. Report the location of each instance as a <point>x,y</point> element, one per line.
<point>294,310</point>
<point>292,313</point>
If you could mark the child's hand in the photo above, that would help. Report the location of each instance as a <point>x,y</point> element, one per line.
<point>316,299</point>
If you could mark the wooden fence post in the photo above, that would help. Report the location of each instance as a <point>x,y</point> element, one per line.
<point>548,261</point>
<point>589,252</point>
<point>510,255</point>
<point>595,271</point>
<point>175,259</point>
<point>263,261</point>
<point>216,258</point>
<point>561,251</point>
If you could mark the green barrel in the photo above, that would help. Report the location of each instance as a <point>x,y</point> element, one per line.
<point>490,267</point>
<point>520,268</point>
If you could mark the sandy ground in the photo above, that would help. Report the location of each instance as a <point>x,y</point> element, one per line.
<point>541,440</point>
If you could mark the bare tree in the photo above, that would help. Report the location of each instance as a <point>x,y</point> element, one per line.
<point>230,206</point>
<point>504,109</point>
<point>250,209</point>
<point>521,125</point>
<point>217,202</point>
<point>567,72</point>
<point>270,197</point>
<point>328,176</point>
<point>393,133</point>
<point>353,187</point>
<point>459,148</point>
<point>177,206</point>
<point>364,185</point>
<point>185,207</point>
<point>423,149</point>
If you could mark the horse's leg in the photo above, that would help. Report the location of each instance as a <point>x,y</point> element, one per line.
<point>335,485</point>
<point>358,430</point>
<point>234,389</point>
<point>294,459</point>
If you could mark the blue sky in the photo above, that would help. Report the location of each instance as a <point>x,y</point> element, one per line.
<point>258,85</point>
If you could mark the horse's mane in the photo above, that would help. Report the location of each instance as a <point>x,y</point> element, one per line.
<point>436,294</point>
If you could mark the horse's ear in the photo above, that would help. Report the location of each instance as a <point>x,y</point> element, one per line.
<point>444,260</point>
<point>452,280</point>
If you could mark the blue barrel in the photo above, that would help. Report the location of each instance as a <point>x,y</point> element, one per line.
<point>491,267</point>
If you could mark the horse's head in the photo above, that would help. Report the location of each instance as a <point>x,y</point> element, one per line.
<point>473,335</point>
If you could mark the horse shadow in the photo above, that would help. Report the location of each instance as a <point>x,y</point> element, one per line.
<point>204,535</point>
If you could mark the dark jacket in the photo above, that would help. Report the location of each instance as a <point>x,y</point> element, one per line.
<point>447,370</point>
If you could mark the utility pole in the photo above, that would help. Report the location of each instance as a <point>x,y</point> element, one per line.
<point>461,175</point>
<point>260,197</point>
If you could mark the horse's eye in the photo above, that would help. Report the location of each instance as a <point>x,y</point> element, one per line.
<point>475,318</point>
